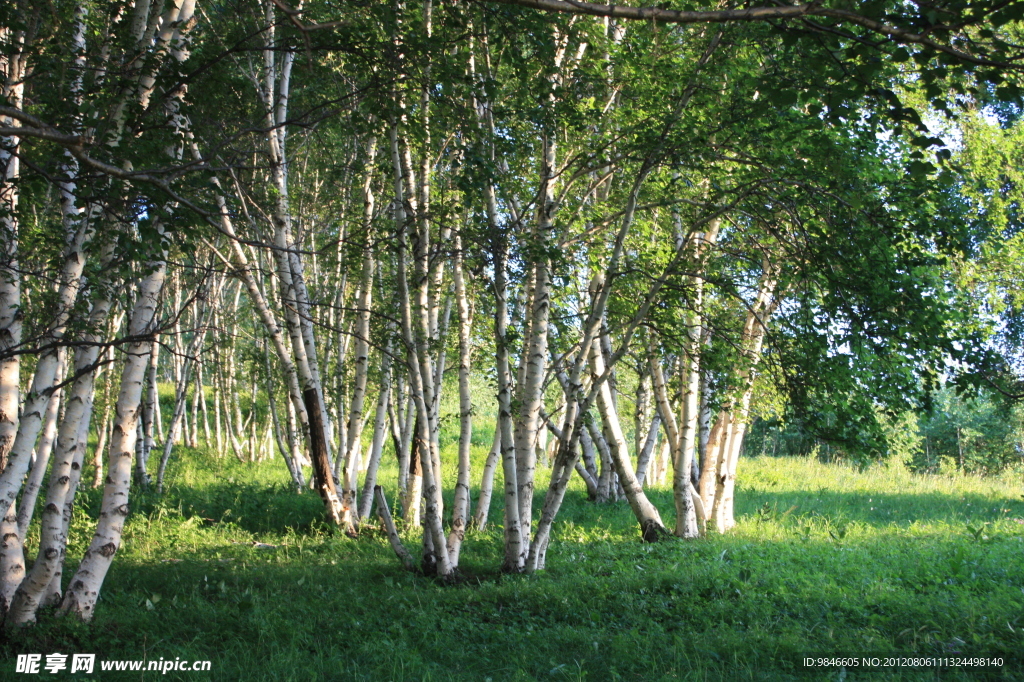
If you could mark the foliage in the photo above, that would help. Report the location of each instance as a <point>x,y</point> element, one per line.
<point>980,433</point>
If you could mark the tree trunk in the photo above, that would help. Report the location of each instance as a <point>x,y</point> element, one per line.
<point>12,89</point>
<point>44,448</point>
<point>379,431</point>
<point>483,505</point>
<point>353,448</point>
<point>181,389</point>
<point>651,527</point>
<point>37,587</point>
<point>85,585</point>
<point>460,507</point>
<point>149,416</point>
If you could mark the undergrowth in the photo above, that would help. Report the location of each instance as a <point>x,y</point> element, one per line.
<point>232,566</point>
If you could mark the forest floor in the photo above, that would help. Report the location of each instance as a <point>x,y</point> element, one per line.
<point>826,560</point>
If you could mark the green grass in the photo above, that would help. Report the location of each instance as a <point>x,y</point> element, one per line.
<point>825,560</point>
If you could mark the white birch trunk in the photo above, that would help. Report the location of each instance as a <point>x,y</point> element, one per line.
<point>12,558</point>
<point>651,526</point>
<point>85,585</point>
<point>44,448</point>
<point>752,340</point>
<point>353,448</point>
<point>379,432</point>
<point>46,369</point>
<point>13,67</point>
<point>483,504</point>
<point>52,594</point>
<point>150,413</point>
<point>460,506</point>
<point>686,512</point>
<point>37,588</point>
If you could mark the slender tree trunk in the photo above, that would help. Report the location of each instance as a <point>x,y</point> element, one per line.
<point>483,505</point>
<point>13,67</point>
<point>102,433</point>
<point>181,389</point>
<point>460,507</point>
<point>44,448</point>
<point>38,586</point>
<point>149,416</point>
<point>651,527</point>
<point>646,451</point>
<point>201,394</point>
<point>85,585</point>
<point>514,540</point>
<point>713,452</point>
<point>52,596</point>
<point>287,442</point>
<point>353,448</point>
<point>414,493</point>
<point>686,511</point>
<point>732,443</point>
<point>379,432</point>
<point>295,298</point>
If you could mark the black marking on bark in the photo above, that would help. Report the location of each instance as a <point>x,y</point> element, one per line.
<point>652,531</point>
<point>108,550</point>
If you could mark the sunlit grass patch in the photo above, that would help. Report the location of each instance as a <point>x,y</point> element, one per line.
<point>233,566</point>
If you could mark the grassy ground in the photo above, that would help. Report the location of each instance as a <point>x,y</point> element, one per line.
<point>825,560</point>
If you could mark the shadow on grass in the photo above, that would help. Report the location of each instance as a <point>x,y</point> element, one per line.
<point>254,507</point>
<point>722,608</point>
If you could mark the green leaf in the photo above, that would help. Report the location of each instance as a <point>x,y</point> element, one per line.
<point>920,169</point>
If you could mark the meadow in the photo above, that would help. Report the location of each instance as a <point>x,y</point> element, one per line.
<point>232,567</point>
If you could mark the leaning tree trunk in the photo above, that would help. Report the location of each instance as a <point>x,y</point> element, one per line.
<point>44,448</point>
<point>67,468</point>
<point>483,503</point>
<point>85,585</point>
<point>651,526</point>
<point>46,368</point>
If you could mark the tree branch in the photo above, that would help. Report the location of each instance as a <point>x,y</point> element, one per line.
<point>670,16</point>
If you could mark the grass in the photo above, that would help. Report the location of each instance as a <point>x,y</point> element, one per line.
<point>825,559</point>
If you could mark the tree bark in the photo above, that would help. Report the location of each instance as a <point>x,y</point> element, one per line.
<point>88,579</point>
<point>37,588</point>
<point>44,448</point>
<point>651,526</point>
<point>379,431</point>
<point>321,457</point>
